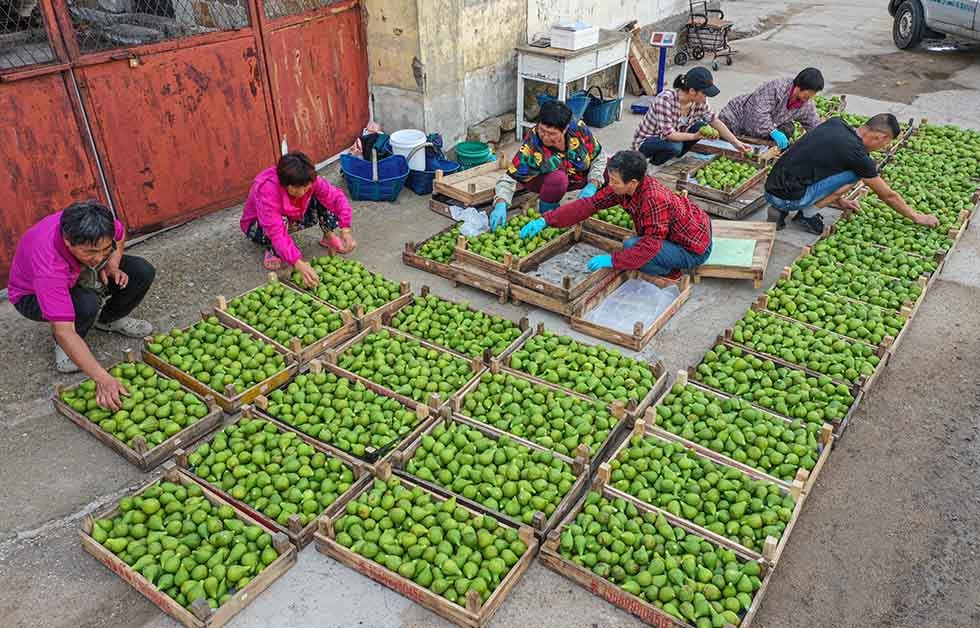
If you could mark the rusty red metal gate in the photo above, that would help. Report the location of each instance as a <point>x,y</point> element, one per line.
<point>317,64</point>
<point>47,157</point>
<point>178,97</point>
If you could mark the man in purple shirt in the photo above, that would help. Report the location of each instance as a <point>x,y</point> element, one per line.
<point>69,270</point>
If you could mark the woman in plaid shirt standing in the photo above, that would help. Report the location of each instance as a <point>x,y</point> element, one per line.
<point>671,126</point>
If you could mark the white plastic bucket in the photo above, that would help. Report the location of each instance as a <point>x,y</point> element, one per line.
<point>402,143</point>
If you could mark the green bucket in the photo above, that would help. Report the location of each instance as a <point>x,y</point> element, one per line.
<point>470,154</point>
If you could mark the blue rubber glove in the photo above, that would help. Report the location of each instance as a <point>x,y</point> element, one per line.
<point>498,217</point>
<point>600,261</point>
<point>533,228</point>
<point>780,138</point>
<point>588,190</point>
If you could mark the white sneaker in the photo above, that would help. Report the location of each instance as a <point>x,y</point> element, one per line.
<point>127,326</point>
<point>62,363</point>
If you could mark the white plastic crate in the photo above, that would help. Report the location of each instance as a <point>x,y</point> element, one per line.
<point>568,38</point>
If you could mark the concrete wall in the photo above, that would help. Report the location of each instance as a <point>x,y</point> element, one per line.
<point>394,57</point>
<point>444,65</point>
<point>542,14</point>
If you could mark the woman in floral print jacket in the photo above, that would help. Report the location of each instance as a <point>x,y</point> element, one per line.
<point>559,154</point>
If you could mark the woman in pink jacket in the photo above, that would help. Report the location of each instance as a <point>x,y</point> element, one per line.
<point>290,197</point>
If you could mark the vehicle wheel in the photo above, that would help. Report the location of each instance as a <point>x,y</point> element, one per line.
<point>729,61</point>
<point>909,25</point>
<point>715,66</point>
<point>698,53</point>
<point>680,58</point>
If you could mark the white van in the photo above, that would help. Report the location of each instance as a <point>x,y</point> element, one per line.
<point>919,19</point>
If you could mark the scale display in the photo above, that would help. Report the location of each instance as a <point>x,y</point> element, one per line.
<point>663,39</point>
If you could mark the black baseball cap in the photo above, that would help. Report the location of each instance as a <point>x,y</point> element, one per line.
<point>701,80</point>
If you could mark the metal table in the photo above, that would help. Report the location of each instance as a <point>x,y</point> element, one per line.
<point>561,67</point>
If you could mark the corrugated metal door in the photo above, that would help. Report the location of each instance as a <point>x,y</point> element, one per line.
<point>47,157</point>
<point>318,65</point>
<point>182,120</point>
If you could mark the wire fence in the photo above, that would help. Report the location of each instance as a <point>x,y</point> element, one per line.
<point>23,40</point>
<point>106,24</point>
<point>284,8</point>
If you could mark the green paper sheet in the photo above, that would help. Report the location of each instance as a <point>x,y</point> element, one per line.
<point>731,252</point>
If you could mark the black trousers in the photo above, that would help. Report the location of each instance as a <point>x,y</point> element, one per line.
<point>120,303</point>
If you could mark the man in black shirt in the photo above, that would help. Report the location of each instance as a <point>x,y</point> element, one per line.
<point>817,170</point>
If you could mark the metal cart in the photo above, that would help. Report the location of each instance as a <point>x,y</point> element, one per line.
<point>707,31</point>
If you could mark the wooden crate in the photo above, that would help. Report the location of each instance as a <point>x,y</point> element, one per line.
<point>141,454</point>
<point>524,325</point>
<point>297,533</point>
<point>888,343</point>
<point>229,401</point>
<point>764,234</point>
<point>839,425</point>
<point>624,420</point>
<point>473,615</point>
<point>830,230</point>
<point>561,299</point>
<point>690,184</point>
<point>456,274</point>
<point>807,478</point>
<point>331,359</point>
<point>923,282</point>
<point>641,335</point>
<point>725,338</point>
<point>606,589</point>
<point>772,548</point>
<point>360,313</point>
<point>200,615</point>
<point>607,229</point>
<point>468,259</point>
<point>762,152</point>
<point>303,354</point>
<point>473,186</point>
<point>541,523</point>
<point>373,457</point>
<point>633,407</point>
<point>440,204</point>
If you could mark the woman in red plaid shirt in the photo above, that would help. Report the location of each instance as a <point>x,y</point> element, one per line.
<point>672,125</point>
<point>673,234</point>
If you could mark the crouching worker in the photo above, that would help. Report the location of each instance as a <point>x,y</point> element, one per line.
<point>70,271</point>
<point>290,197</point>
<point>673,234</point>
<point>559,154</point>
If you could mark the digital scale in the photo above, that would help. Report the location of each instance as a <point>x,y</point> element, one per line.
<point>663,40</point>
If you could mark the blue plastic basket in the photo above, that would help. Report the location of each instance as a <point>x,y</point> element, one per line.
<point>421,182</point>
<point>601,112</point>
<point>577,102</point>
<point>361,182</point>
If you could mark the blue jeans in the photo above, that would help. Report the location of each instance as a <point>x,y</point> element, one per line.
<point>659,151</point>
<point>671,257</point>
<point>814,193</point>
